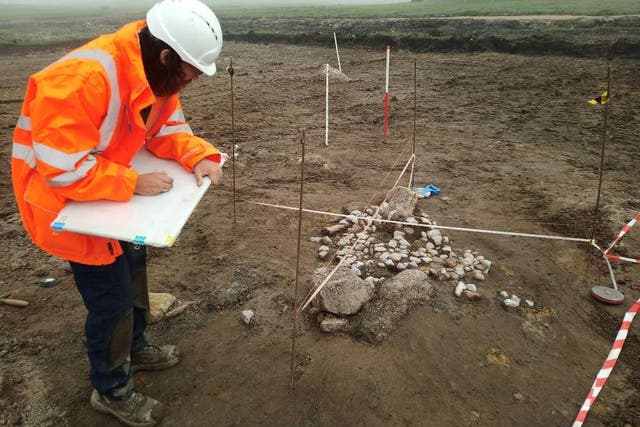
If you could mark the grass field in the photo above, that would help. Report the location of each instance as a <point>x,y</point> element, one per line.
<point>448,8</point>
<point>412,9</point>
<point>28,25</point>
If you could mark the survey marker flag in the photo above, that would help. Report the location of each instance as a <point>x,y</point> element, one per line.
<point>602,99</point>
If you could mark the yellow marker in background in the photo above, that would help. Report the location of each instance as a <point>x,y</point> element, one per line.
<point>602,99</point>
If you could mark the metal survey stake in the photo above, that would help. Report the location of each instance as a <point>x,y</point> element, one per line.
<point>604,141</point>
<point>294,314</point>
<point>231,71</point>
<point>415,108</point>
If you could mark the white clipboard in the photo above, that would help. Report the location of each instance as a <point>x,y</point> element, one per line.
<point>143,220</point>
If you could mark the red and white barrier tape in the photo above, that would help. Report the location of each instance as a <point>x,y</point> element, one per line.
<point>624,231</point>
<point>608,365</point>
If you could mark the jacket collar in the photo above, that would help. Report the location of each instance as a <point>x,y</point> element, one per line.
<point>131,58</point>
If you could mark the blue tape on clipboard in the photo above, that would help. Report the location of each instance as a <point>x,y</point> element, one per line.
<point>57,226</point>
<point>139,240</point>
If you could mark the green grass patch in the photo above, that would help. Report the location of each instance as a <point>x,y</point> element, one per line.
<point>432,8</point>
<point>28,25</point>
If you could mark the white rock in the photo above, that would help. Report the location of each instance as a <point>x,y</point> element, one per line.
<point>411,220</point>
<point>445,240</point>
<point>398,235</point>
<point>396,257</point>
<point>433,232</point>
<point>247,316</point>
<point>333,324</point>
<point>515,299</point>
<point>461,287</point>
<point>315,239</point>
<point>430,245</point>
<point>471,287</point>
<point>477,275</point>
<point>402,266</point>
<point>323,255</point>
<point>415,260</point>
<point>413,265</point>
<point>327,240</point>
<point>389,263</point>
<point>530,303</point>
<point>504,294</point>
<point>393,243</point>
<point>323,249</point>
<point>446,249</point>
<point>380,249</point>
<point>510,303</point>
<point>381,264</point>
<point>384,256</point>
<point>423,234</point>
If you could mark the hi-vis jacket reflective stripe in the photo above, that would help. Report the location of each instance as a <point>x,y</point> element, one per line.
<point>80,127</point>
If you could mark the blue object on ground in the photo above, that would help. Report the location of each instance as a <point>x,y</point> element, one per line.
<point>427,190</point>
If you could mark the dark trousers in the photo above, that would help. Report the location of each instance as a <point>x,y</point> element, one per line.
<point>117,302</point>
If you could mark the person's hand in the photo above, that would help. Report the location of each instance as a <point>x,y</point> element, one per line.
<point>154,183</point>
<point>206,167</point>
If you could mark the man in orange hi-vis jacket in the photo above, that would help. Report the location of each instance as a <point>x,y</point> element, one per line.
<point>83,119</point>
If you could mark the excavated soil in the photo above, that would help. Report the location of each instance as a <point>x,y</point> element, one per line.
<point>514,146</point>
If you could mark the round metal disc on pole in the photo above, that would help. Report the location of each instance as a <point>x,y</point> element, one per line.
<point>607,295</point>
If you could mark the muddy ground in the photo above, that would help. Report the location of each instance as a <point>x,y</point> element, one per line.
<point>514,146</point>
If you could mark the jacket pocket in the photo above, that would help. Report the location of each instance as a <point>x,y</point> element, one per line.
<point>45,206</point>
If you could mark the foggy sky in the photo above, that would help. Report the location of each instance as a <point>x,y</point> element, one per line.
<point>210,2</point>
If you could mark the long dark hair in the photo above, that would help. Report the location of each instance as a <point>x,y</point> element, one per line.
<point>164,79</point>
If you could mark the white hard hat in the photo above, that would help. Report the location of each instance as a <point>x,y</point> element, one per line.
<point>191,29</point>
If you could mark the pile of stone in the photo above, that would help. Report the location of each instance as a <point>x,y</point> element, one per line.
<point>381,250</point>
<point>375,257</point>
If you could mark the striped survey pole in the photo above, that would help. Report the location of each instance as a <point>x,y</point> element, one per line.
<point>326,106</point>
<point>386,95</point>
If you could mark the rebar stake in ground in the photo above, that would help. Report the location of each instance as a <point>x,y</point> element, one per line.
<point>231,72</point>
<point>294,313</point>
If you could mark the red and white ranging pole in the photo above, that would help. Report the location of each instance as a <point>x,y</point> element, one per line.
<point>386,95</point>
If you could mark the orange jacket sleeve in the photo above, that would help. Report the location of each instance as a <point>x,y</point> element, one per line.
<point>176,141</point>
<point>66,115</point>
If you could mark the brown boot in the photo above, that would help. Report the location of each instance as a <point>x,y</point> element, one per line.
<point>129,407</point>
<point>153,357</point>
